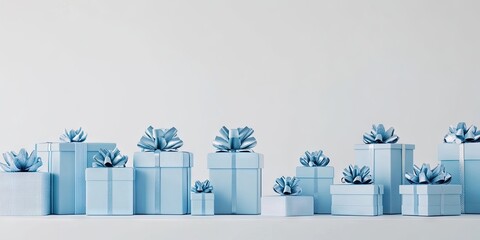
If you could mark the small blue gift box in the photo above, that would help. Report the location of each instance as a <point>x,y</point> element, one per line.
<point>162,182</point>
<point>66,163</point>
<point>203,204</point>
<point>357,199</point>
<point>431,200</point>
<point>237,178</point>
<point>287,206</point>
<point>315,182</point>
<point>388,163</point>
<point>462,161</point>
<point>109,191</point>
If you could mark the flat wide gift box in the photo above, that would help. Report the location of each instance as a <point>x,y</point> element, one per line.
<point>24,193</point>
<point>237,178</point>
<point>109,191</point>
<point>162,182</point>
<point>431,200</point>
<point>357,199</point>
<point>203,204</point>
<point>287,206</point>
<point>462,161</point>
<point>66,162</point>
<point>315,182</point>
<point>388,164</point>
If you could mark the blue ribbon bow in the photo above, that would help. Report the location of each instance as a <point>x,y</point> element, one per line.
<point>108,158</point>
<point>356,175</point>
<point>461,134</point>
<point>202,187</point>
<point>287,186</point>
<point>379,135</point>
<point>73,136</point>
<point>314,159</point>
<point>165,140</point>
<point>235,140</point>
<point>425,175</point>
<point>21,162</point>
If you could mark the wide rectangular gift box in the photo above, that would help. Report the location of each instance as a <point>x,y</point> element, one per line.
<point>237,179</point>
<point>66,162</point>
<point>162,182</point>
<point>203,204</point>
<point>462,161</point>
<point>357,199</point>
<point>388,164</point>
<point>431,200</point>
<point>287,206</point>
<point>315,182</point>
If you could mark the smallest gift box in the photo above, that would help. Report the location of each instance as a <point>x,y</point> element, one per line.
<point>287,206</point>
<point>357,199</point>
<point>431,200</point>
<point>202,204</point>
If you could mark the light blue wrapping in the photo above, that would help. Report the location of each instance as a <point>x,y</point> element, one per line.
<point>388,164</point>
<point>431,200</point>
<point>357,199</point>
<point>67,163</point>
<point>237,179</point>
<point>315,182</point>
<point>203,204</point>
<point>109,191</point>
<point>162,184</point>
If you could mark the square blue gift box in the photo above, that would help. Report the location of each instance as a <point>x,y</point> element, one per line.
<point>287,206</point>
<point>162,182</point>
<point>315,182</point>
<point>203,204</point>
<point>66,162</point>
<point>237,178</point>
<point>357,199</point>
<point>109,191</point>
<point>431,200</point>
<point>388,164</point>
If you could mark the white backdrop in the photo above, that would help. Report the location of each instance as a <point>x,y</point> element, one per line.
<point>306,75</point>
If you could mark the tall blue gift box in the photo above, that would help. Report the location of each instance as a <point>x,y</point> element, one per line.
<point>109,191</point>
<point>388,163</point>
<point>462,161</point>
<point>237,178</point>
<point>162,182</point>
<point>203,204</point>
<point>66,163</point>
<point>316,181</point>
<point>357,199</point>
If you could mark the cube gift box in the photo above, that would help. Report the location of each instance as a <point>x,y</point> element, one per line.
<point>431,200</point>
<point>315,182</point>
<point>357,199</point>
<point>203,204</point>
<point>287,206</point>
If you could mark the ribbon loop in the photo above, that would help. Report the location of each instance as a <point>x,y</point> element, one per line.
<point>73,135</point>
<point>461,134</point>
<point>202,187</point>
<point>21,162</point>
<point>235,140</point>
<point>109,158</point>
<point>425,175</point>
<point>314,159</point>
<point>379,135</point>
<point>287,186</point>
<point>355,175</point>
<point>165,140</point>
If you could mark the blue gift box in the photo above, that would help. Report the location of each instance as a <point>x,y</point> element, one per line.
<point>357,199</point>
<point>287,206</point>
<point>315,182</point>
<point>109,191</point>
<point>203,204</point>
<point>462,161</point>
<point>66,162</point>
<point>431,200</point>
<point>237,178</point>
<point>388,164</point>
<point>162,182</point>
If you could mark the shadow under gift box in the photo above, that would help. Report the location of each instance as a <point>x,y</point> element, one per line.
<point>315,182</point>
<point>109,191</point>
<point>162,182</point>
<point>237,179</point>
<point>203,204</point>
<point>357,199</point>
<point>388,164</point>
<point>24,193</point>
<point>66,162</point>
<point>462,161</point>
<point>287,206</point>
<point>431,200</point>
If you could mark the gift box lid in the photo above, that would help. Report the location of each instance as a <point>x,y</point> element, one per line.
<point>70,147</point>
<point>101,174</point>
<point>384,146</point>
<point>451,151</point>
<point>310,172</point>
<point>356,189</point>
<point>243,160</point>
<point>167,159</point>
<point>198,196</point>
<point>431,189</point>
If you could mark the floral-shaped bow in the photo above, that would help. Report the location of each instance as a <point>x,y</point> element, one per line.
<point>425,175</point>
<point>107,158</point>
<point>461,134</point>
<point>379,135</point>
<point>235,140</point>
<point>73,136</point>
<point>21,162</point>
<point>356,175</point>
<point>314,159</point>
<point>287,186</point>
<point>160,140</point>
<point>202,187</point>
